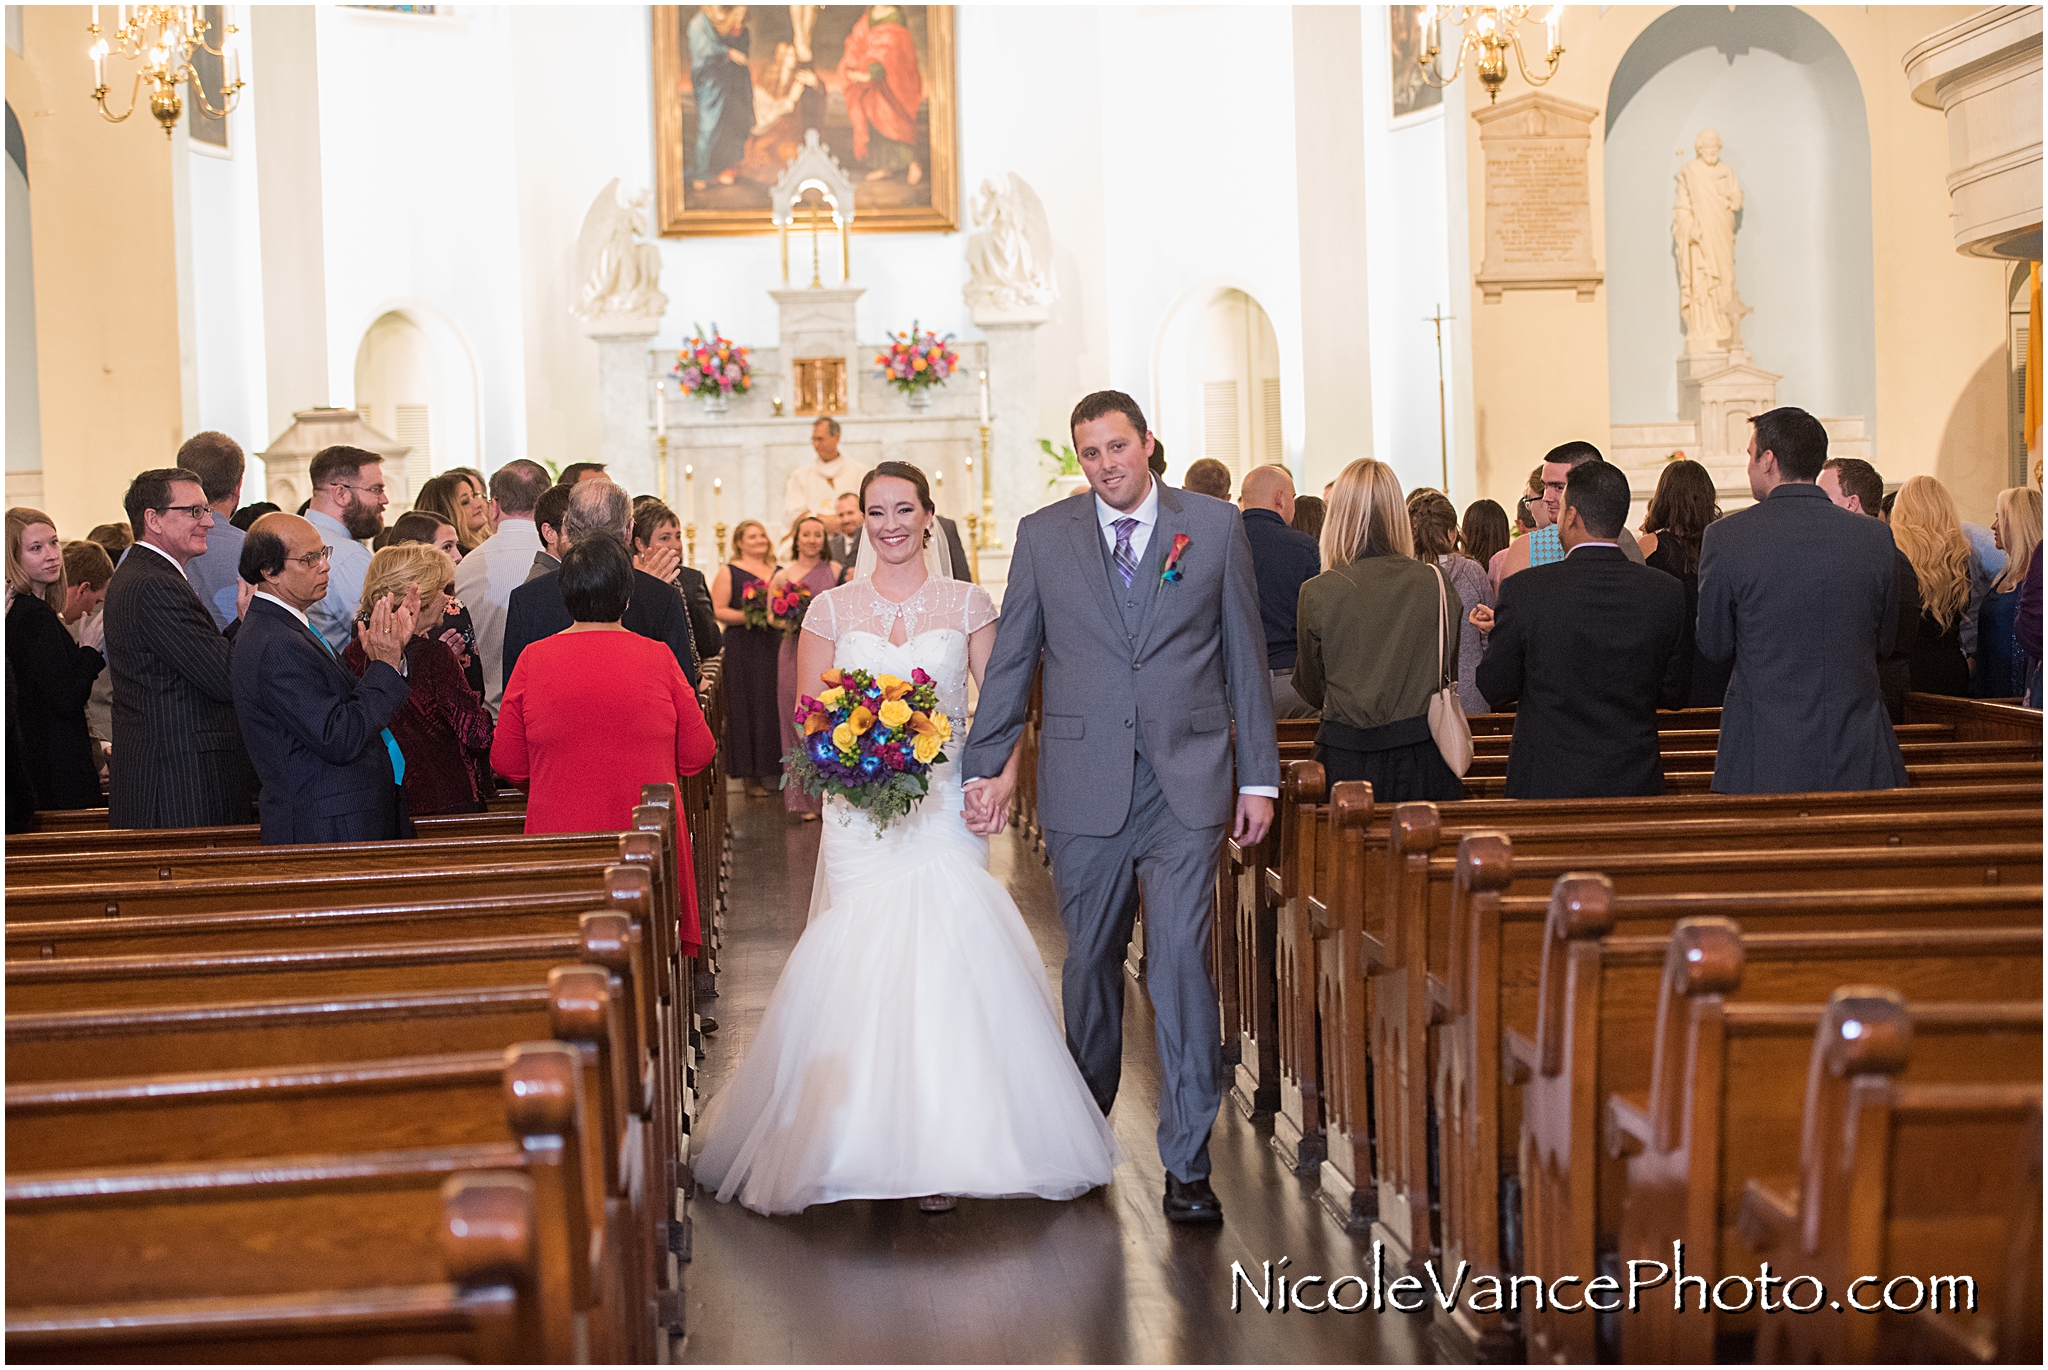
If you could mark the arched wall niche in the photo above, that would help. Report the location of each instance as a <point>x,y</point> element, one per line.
<point>415,376</point>
<point>1789,108</point>
<point>1217,381</point>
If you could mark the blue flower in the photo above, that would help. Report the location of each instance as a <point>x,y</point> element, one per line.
<point>870,764</point>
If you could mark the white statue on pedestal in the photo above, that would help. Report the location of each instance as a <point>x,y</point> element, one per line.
<point>618,272</point>
<point>1011,257</point>
<point>1703,227</point>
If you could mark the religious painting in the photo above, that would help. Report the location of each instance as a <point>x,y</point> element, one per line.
<point>737,86</point>
<point>1411,94</point>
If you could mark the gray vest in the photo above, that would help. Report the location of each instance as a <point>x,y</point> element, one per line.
<point>1134,602</point>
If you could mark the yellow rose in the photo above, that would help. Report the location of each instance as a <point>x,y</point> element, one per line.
<point>860,721</point>
<point>895,714</point>
<point>845,738</point>
<point>926,747</point>
<point>942,725</point>
<point>830,699</point>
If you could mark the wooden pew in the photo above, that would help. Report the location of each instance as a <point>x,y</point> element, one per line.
<point>79,841</point>
<point>1728,1093</point>
<point>1477,1115</point>
<point>531,1093</point>
<point>444,1251</point>
<point>1604,993</point>
<point>504,801</point>
<point>1933,1185</point>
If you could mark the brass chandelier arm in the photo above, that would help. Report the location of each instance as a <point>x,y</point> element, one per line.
<point>1522,61</point>
<point>99,94</point>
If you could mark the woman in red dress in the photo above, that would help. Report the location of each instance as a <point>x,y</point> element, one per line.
<point>596,711</point>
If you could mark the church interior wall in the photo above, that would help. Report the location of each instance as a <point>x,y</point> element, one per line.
<point>24,410</point>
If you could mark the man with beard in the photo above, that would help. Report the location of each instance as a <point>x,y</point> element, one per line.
<point>348,509</point>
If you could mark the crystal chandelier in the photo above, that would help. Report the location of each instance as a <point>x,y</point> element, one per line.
<point>164,38</point>
<point>1489,31</point>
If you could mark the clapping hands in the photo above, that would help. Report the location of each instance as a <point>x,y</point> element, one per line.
<point>390,627</point>
<point>661,562</point>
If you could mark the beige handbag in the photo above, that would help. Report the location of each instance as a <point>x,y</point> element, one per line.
<point>1446,710</point>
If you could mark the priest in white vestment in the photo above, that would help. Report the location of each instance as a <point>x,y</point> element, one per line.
<point>815,489</point>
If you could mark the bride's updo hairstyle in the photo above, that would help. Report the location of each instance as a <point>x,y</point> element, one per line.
<point>901,470</point>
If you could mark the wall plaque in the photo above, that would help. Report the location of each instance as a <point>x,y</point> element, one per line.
<point>1539,208</point>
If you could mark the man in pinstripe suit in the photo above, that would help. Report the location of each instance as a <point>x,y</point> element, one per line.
<point>177,752</point>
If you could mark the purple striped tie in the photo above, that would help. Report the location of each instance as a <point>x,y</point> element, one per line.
<point>1126,560</point>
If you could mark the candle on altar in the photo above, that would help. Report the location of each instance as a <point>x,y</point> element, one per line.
<point>660,407</point>
<point>984,397</point>
<point>689,494</point>
<point>718,501</point>
<point>939,491</point>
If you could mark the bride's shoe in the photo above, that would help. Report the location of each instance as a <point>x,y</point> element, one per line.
<point>937,1203</point>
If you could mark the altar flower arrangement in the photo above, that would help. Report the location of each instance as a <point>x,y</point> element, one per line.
<point>754,605</point>
<point>713,367</point>
<point>871,740</point>
<point>916,360</point>
<point>787,607</point>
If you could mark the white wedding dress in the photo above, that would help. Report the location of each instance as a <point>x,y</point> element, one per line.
<point>911,1046</point>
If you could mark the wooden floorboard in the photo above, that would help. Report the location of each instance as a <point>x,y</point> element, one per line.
<point>1102,1278</point>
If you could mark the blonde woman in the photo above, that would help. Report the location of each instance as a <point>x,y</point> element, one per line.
<point>1999,671</point>
<point>1925,526</point>
<point>442,728</point>
<point>753,737</point>
<point>52,675</point>
<point>1368,630</point>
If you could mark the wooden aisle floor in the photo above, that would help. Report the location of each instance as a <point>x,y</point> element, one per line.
<point>1102,1278</point>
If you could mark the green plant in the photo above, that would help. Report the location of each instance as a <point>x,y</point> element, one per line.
<point>1069,464</point>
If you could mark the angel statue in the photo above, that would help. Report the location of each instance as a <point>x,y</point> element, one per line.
<point>618,271</point>
<point>1011,256</point>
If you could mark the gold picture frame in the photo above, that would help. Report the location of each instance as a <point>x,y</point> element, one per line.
<point>922,196</point>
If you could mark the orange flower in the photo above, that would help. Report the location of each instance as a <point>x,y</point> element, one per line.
<point>860,721</point>
<point>832,677</point>
<point>816,723</point>
<point>893,687</point>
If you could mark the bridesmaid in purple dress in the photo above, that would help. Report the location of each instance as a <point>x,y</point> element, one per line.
<point>748,675</point>
<point>808,566</point>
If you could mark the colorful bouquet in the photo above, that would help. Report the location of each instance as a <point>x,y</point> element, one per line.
<point>871,740</point>
<point>713,366</point>
<point>754,604</point>
<point>787,606</point>
<point>916,359</point>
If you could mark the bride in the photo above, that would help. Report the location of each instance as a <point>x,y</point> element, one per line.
<point>911,1048</point>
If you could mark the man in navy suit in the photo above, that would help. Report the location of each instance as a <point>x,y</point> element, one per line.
<point>1591,647</point>
<point>331,771</point>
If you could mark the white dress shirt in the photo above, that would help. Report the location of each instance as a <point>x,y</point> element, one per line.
<point>1147,514</point>
<point>484,582</point>
<point>162,553</point>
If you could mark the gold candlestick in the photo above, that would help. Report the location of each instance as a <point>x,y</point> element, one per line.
<point>987,536</point>
<point>719,531</point>
<point>974,544</point>
<point>690,542</point>
<point>661,446</point>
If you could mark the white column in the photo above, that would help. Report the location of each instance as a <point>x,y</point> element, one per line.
<point>625,442</point>
<point>1016,466</point>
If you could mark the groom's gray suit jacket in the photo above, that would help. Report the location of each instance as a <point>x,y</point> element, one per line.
<point>1161,668</point>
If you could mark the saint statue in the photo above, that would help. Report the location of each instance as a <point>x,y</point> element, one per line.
<point>1010,258</point>
<point>618,270</point>
<point>1703,228</point>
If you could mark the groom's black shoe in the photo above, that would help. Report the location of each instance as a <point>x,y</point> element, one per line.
<point>1192,1201</point>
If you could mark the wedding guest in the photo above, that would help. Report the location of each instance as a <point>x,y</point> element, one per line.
<point>547,521</point>
<point>1531,513</point>
<point>1433,521</point>
<point>498,565</point>
<point>1999,670</point>
<point>87,569</point>
<point>1679,512</point>
<point>750,656</point>
<point>473,502</point>
<point>249,513</point>
<point>115,537</point>
<point>2026,627</point>
<point>1283,560</point>
<point>843,541</point>
<point>1208,477</point>
<point>347,508</point>
<point>1987,564</point>
<point>53,674</point>
<point>450,498</point>
<point>1542,547</point>
<point>1156,463</point>
<point>1855,485</point>
<point>580,470</point>
<point>1308,515</point>
<point>596,711</point>
<point>1925,527</point>
<point>455,629</point>
<point>320,738</point>
<point>600,509</point>
<point>217,460</point>
<point>442,728</point>
<point>178,760</point>
<point>1587,650</point>
<point>1369,632</point>
<point>658,539</point>
<point>1485,531</point>
<point>809,568</point>
<point>1801,596</point>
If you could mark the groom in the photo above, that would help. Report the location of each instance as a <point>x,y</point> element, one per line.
<point>1138,601</point>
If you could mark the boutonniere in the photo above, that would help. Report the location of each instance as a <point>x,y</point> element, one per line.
<point>1171,573</point>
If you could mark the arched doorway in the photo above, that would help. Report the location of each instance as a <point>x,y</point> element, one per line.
<point>1218,383</point>
<point>416,383</point>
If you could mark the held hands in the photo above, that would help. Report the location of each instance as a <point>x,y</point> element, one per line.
<point>1254,818</point>
<point>1481,618</point>
<point>384,637</point>
<point>987,804</point>
<point>659,562</point>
